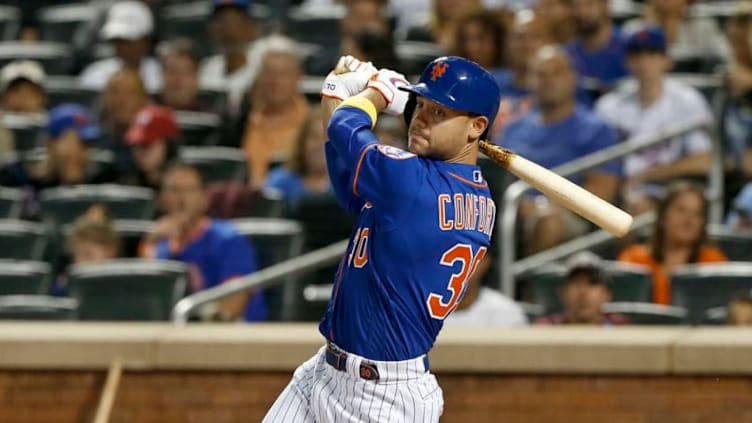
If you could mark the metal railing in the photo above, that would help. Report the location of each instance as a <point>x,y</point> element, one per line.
<point>264,278</point>
<point>509,270</point>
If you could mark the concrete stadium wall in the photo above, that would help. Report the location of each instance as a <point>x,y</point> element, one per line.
<point>232,373</point>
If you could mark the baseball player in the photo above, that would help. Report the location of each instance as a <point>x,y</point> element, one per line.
<point>425,222</point>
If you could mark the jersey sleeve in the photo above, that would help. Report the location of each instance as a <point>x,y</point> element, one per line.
<point>385,176</point>
<point>340,177</point>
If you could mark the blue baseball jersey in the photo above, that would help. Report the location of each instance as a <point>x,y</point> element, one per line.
<point>423,227</point>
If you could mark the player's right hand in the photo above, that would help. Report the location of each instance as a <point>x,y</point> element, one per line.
<point>345,85</point>
<point>387,82</point>
<point>349,63</point>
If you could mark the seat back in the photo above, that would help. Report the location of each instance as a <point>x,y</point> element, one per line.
<point>629,283</point>
<point>27,129</point>
<point>11,203</point>
<point>217,164</point>
<point>24,277</point>
<point>699,287</point>
<point>647,313</point>
<point>10,22</point>
<point>188,19</point>
<point>128,289</point>
<point>737,245</point>
<point>56,58</point>
<point>276,240</point>
<point>197,128</point>
<point>22,240</point>
<point>37,307</point>
<point>66,89</point>
<point>61,22</point>
<point>64,204</point>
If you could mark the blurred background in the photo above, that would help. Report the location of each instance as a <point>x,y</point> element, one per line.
<point>151,151</point>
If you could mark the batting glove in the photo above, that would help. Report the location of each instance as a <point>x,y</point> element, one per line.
<point>351,64</point>
<point>387,82</point>
<point>345,85</point>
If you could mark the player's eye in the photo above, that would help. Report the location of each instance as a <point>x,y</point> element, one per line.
<point>438,113</point>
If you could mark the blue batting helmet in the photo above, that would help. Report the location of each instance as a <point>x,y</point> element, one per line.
<point>459,84</point>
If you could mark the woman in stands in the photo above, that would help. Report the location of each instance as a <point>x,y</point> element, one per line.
<point>679,237</point>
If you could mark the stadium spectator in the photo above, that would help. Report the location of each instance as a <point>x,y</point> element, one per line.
<point>443,22</point>
<point>740,312</point>
<point>214,249</point>
<point>180,63</point>
<point>235,67</point>
<point>375,46</point>
<point>152,138</point>
<point>585,291</point>
<point>679,237</point>
<point>124,96</point>
<point>559,18</point>
<point>22,85</point>
<point>654,103</point>
<point>695,43</point>
<point>736,110</point>
<point>527,33</point>
<point>485,307</point>
<point>739,217</point>
<point>305,171</point>
<point>129,27</point>
<point>480,37</point>
<point>555,132</point>
<point>598,50</point>
<point>279,109</point>
<point>92,239</point>
<point>71,134</point>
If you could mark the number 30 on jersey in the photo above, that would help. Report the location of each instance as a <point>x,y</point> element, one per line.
<point>438,306</point>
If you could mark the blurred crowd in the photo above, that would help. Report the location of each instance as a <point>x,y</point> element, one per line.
<point>212,106</point>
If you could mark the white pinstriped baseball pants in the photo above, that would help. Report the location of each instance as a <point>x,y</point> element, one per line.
<point>318,393</point>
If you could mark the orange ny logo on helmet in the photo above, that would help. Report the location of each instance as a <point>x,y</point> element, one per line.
<point>437,71</point>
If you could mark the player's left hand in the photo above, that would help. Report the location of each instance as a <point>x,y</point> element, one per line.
<point>387,82</point>
<point>344,85</point>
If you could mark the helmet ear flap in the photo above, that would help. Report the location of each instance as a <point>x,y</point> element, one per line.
<point>409,109</point>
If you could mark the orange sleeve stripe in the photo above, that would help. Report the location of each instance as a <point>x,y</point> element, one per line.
<point>357,169</point>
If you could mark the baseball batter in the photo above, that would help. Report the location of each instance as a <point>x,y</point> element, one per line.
<point>425,221</point>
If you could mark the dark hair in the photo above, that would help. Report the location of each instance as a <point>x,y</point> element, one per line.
<point>490,23</point>
<point>297,161</point>
<point>177,165</point>
<point>658,238</point>
<point>180,46</point>
<point>171,154</point>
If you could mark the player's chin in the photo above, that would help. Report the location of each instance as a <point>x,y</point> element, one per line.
<point>417,144</point>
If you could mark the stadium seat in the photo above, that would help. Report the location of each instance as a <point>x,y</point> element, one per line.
<point>37,307</point>
<point>22,240</point>
<point>11,203</point>
<point>28,130</point>
<point>647,313</point>
<point>276,240</point>
<point>737,245</point>
<point>188,19</point>
<point>56,58</point>
<point>268,203</point>
<point>316,25</point>
<point>217,164</point>
<point>61,22</point>
<point>630,283</point>
<point>213,99</point>
<point>66,89</point>
<point>10,19</point>
<point>715,316</point>
<point>24,277</point>
<point>699,287</point>
<point>197,128</point>
<point>64,204</point>
<point>127,289</point>
<point>131,232</point>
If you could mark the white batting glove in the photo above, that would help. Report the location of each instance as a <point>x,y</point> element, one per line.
<point>387,82</point>
<point>351,64</point>
<point>345,85</point>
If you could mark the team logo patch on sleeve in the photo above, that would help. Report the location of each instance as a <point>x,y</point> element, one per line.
<point>394,152</point>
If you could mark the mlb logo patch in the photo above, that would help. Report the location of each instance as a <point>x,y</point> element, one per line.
<point>477,176</point>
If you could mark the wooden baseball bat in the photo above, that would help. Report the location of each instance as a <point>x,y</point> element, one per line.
<point>107,400</point>
<point>562,191</point>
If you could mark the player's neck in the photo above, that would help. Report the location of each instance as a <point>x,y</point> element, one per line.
<point>468,155</point>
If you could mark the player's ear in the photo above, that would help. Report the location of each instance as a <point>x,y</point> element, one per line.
<point>478,125</point>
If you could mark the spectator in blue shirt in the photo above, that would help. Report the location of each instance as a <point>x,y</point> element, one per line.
<point>558,131</point>
<point>213,249</point>
<point>305,172</point>
<point>598,52</point>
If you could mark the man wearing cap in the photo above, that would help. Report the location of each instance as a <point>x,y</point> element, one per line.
<point>584,292</point>
<point>22,85</point>
<point>129,26</point>
<point>152,139</point>
<point>237,64</point>
<point>71,133</point>
<point>652,104</point>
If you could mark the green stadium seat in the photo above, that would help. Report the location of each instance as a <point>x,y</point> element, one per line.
<point>630,283</point>
<point>197,128</point>
<point>10,22</point>
<point>699,287</point>
<point>217,164</point>
<point>737,245</point>
<point>11,203</point>
<point>66,89</point>
<point>27,129</point>
<point>22,240</point>
<point>715,316</point>
<point>56,58</point>
<point>37,307</point>
<point>276,240</point>
<point>61,22</point>
<point>647,313</point>
<point>64,204</point>
<point>127,289</point>
<point>24,277</point>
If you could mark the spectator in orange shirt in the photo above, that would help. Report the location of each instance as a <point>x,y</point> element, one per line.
<point>679,238</point>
